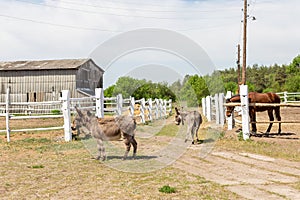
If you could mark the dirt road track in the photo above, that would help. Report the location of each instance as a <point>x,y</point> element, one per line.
<point>250,176</point>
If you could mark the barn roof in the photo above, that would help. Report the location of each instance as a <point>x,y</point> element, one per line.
<point>43,64</point>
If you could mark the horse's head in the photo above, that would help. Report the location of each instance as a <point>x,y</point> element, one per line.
<point>229,109</point>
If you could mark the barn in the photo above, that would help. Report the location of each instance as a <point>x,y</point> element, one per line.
<point>43,80</point>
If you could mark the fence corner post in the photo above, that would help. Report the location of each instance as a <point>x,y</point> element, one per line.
<point>99,102</point>
<point>67,114</point>
<point>245,111</point>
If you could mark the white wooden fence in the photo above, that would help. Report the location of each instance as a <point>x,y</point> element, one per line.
<point>213,109</point>
<point>148,110</point>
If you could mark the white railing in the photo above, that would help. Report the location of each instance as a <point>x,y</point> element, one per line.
<point>148,110</point>
<point>289,97</point>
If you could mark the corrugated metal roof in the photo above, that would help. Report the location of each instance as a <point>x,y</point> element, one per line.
<point>43,64</point>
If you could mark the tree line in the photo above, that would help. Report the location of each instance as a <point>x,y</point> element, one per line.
<point>193,88</point>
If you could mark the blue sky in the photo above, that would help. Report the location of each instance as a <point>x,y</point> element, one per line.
<point>57,29</point>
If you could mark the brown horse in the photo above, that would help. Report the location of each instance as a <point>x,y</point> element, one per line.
<point>255,97</point>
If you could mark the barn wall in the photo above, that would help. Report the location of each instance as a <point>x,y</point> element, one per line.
<point>89,76</point>
<point>46,85</point>
<point>37,85</point>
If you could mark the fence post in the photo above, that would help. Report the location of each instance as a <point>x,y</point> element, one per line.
<point>203,106</point>
<point>142,110</point>
<point>221,108</point>
<point>285,96</point>
<point>156,108</point>
<point>208,106</point>
<point>217,109</point>
<point>119,104</point>
<point>231,118</point>
<point>150,109</point>
<point>245,111</point>
<point>170,106</point>
<point>66,113</point>
<point>7,102</point>
<point>131,107</point>
<point>164,103</point>
<point>99,102</point>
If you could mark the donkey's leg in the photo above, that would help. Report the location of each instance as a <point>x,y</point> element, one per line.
<point>271,117</point>
<point>128,145</point>
<point>278,117</point>
<point>189,131</point>
<point>101,150</point>
<point>134,144</point>
<point>196,131</point>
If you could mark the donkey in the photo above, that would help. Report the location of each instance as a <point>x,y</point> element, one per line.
<point>108,130</point>
<point>193,120</point>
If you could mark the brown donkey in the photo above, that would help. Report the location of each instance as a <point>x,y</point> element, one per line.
<point>193,120</point>
<point>108,130</point>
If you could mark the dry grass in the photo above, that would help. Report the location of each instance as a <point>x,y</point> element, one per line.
<point>37,166</point>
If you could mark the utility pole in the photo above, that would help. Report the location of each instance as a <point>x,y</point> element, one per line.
<point>244,43</point>
<point>238,62</point>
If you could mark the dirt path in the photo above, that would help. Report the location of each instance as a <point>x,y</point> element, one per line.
<point>250,176</point>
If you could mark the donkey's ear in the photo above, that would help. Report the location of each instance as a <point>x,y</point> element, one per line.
<point>177,111</point>
<point>78,111</point>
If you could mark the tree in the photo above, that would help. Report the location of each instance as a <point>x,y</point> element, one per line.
<point>108,92</point>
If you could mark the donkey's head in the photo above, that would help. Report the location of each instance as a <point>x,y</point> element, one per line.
<point>82,122</point>
<point>178,117</point>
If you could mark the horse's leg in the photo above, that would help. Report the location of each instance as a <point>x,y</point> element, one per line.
<point>271,117</point>
<point>253,119</point>
<point>278,117</point>
<point>134,144</point>
<point>128,145</point>
<point>101,150</point>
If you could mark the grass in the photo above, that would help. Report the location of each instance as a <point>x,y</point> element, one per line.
<point>276,150</point>
<point>167,189</point>
<point>38,166</point>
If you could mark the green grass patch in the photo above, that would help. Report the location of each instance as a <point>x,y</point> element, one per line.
<point>36,166</point>
<point>167,189</point>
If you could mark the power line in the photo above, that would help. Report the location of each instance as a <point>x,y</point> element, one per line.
<point>144,10</point>
<point>98,29</point>
<point>114,14</point>
<point>59,25</point>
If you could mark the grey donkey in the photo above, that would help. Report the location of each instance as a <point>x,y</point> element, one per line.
<point>108,130</point>
<point>193,120</point>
